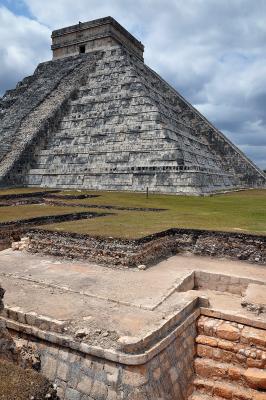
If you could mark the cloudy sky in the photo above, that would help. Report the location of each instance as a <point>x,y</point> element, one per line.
<point>212,51</point>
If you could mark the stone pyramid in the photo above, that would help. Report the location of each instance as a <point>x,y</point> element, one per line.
<point>97,117</point>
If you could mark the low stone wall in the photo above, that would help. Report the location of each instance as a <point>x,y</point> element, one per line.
<point>18,381</point>
<point>13,230</point>
<point>21,202</point>
<point>28,196</point>
<point>82,376</point>
<point>231,360</point>
<point>51,195</point>
<point>223,283</point>
<point>150,249</point>
<point>227,352</point>
<point>198,280</point>
<point>100,250</point>
<point>51,201</point>
<point>49,219</point>
<point>18,199</point>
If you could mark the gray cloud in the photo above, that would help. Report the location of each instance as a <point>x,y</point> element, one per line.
<point>24,43</point>
<point>212,52</point>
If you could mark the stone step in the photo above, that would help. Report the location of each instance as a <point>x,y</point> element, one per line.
<point>238,354</point>
<point>224,390</point>
<point>250,377</point>
<point>115,147</point>
<point>200,396</point>
<point>208,368</point>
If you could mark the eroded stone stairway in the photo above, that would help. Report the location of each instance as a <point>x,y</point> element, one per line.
<point>230,361</point>
<point>122,133</point>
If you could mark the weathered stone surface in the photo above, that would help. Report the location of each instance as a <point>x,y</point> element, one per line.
<point>223,392</point>
<point>227,331</point>
<point>254,337</point>
<point>208,341</point>
<point>135,376</point>
<point>90,36</point>
<point>80,376</point>
<point>256,378</point>
<point>235,367</point>
<point>234,373</point>
<point>17,360</point>
<point>148,250</point>
<point>85,385</point>
<point>255,298</point>
<point>104,120</point>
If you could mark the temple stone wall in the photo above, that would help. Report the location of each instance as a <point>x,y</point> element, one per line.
<point>93,35</point>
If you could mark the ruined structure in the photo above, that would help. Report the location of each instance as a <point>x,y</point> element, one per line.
<point>18,364</point>
<point>97,117</point>
<point>179,333</point>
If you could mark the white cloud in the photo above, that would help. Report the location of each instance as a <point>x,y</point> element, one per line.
<point>213,52</point>
<point>24,43</point>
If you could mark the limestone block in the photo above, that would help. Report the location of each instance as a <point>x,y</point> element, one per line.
<point>85,385</point>
<point>228,332</point>
<point>253,336</point>
<point>71,394</point>
<point>62,370</point>
<point>256,378</point>
<point>135,376</point>
<point>255,298</point>
<point>99,390</point>
<point>206,340</point>
<point>49,366</point>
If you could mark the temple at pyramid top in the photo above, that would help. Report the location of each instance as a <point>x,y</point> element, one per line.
<point>97,117</point>
<point>93,35</point>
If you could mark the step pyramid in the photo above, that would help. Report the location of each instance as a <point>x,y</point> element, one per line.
<point>97,117</point>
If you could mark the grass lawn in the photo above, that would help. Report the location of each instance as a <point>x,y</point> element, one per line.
<point>243,211</point>
<point>23,190</point>
<point>13,213</point>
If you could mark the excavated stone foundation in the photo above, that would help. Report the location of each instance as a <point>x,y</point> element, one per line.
<point>148,250</point>
<point>189,337</point>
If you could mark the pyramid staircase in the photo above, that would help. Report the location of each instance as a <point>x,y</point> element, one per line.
<point>104,120</point>
<point>124,132</point>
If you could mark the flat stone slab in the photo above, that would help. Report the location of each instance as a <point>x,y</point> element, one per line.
<point>255,298</point>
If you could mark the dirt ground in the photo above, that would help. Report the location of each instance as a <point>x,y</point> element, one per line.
<point>20,384</point>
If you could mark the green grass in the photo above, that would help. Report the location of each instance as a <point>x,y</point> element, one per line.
<point>13,213</point>
<point>243,211</point>
<point>238,212</point>
<point>23,190</point>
